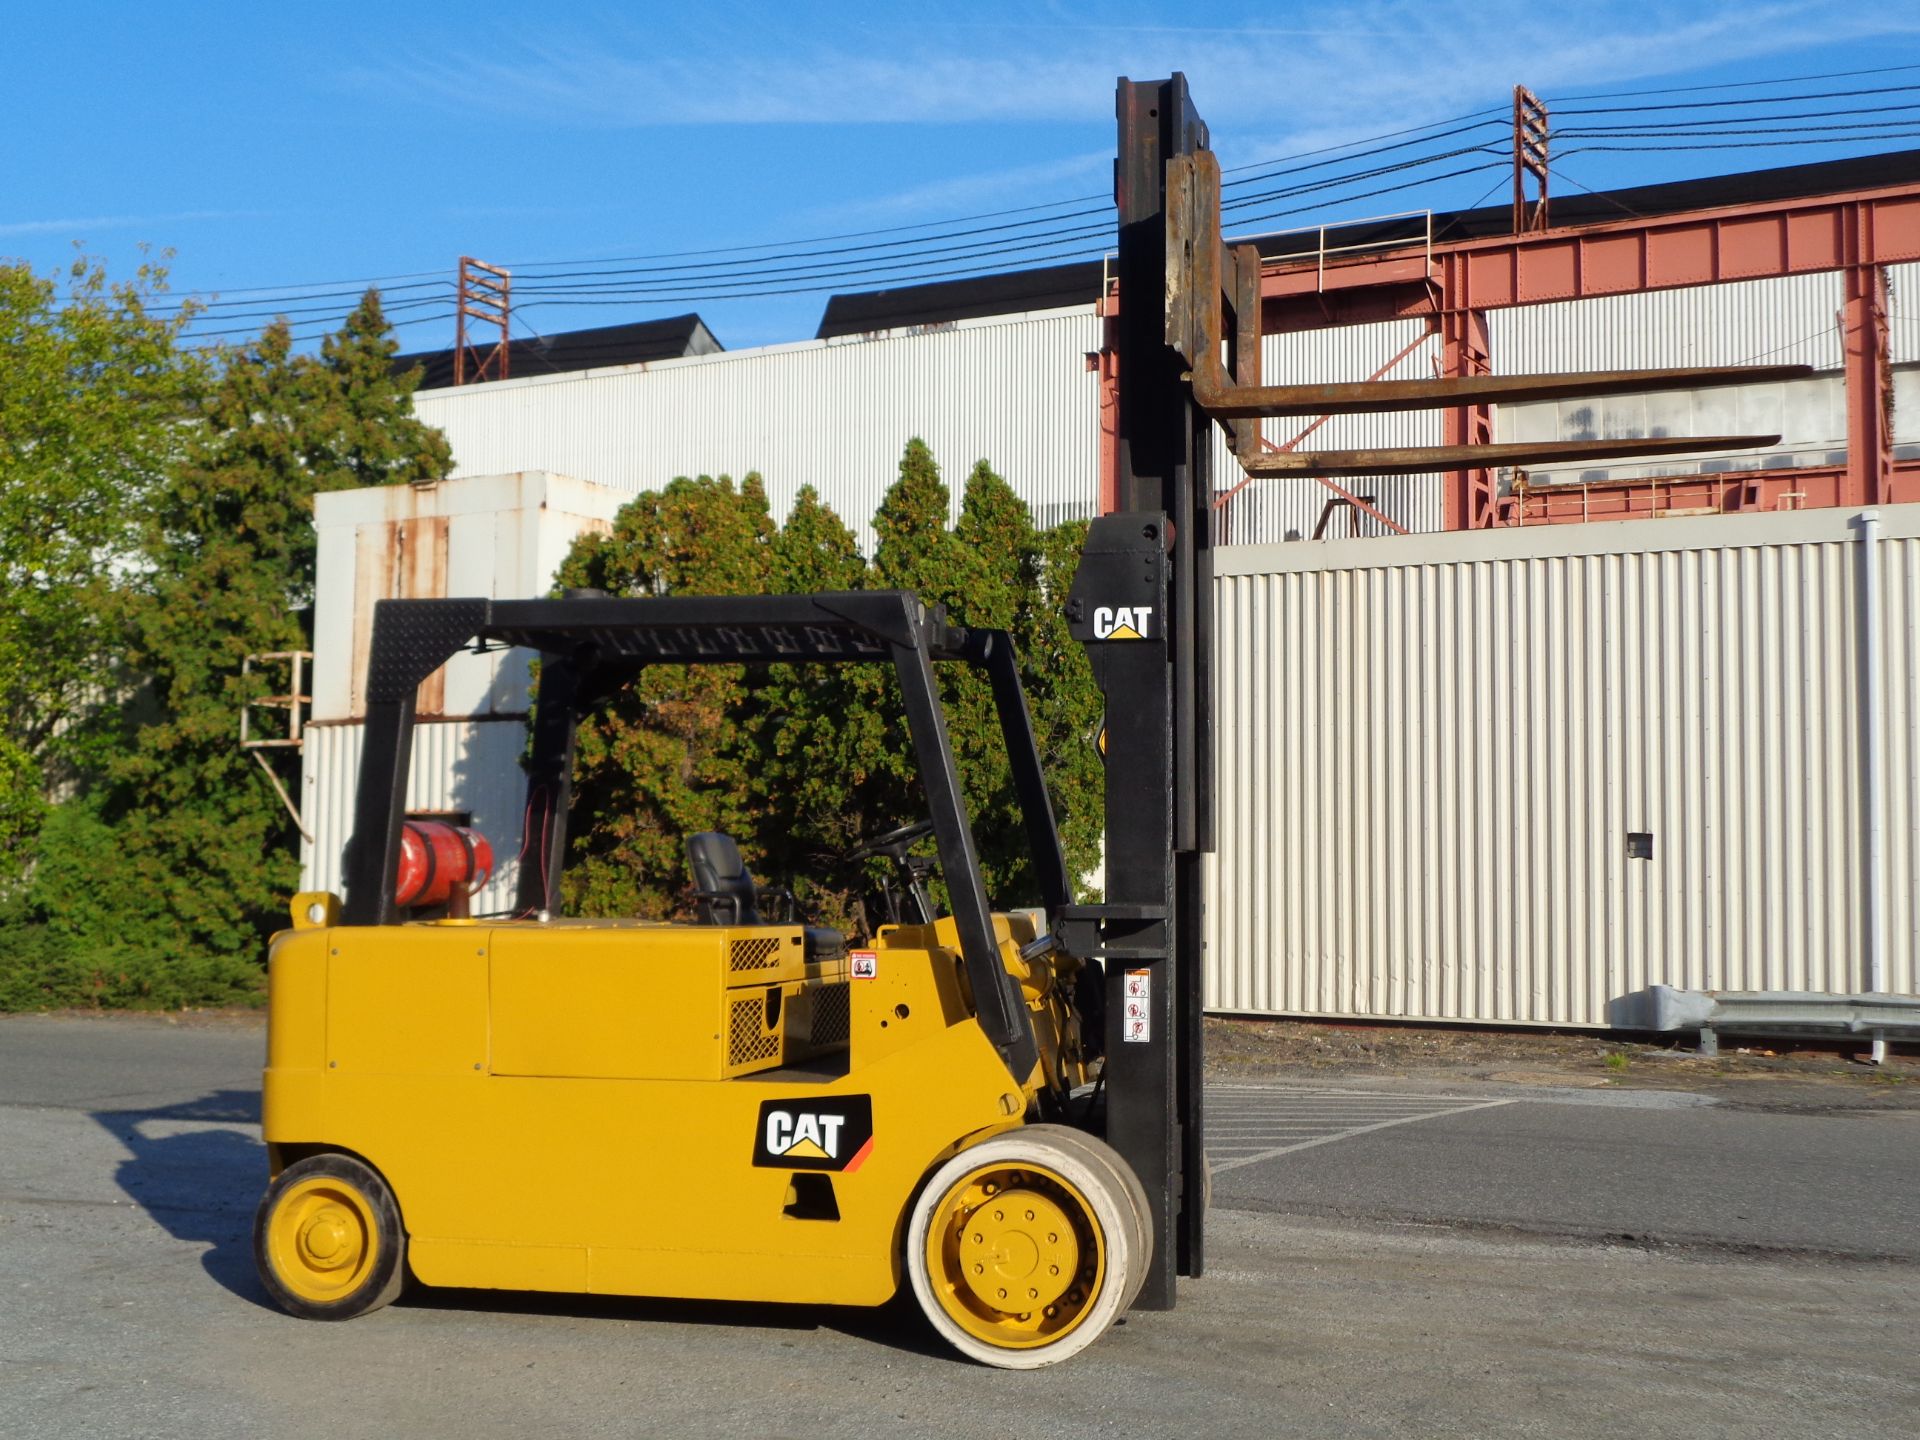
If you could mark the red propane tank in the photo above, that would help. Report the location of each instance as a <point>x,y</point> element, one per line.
<point>439,861</point>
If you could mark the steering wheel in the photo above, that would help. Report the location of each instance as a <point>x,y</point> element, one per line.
<point>895,840</point>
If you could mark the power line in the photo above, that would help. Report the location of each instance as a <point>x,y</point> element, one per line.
<point>1743,84</point>
<point>555,270</point>
<point>1060,245</point>
<point>681,296</point>
<point>1059,231</point>
<point>1741,144</point>
<point>1495,110</point>
<point>1682,132</point>
<point>1755,100</point>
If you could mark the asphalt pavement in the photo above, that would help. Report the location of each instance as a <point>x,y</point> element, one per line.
<point>1658,1167</point>
<point>1386,1259</point>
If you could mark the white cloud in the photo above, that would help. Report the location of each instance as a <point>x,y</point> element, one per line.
<point>78,225</point>
<point>1380,64</point>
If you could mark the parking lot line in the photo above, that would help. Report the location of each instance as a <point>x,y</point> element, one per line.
<point>1249,1124</point>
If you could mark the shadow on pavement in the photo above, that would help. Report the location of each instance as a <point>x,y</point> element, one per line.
<point>198,1177</point>
<point>898,1324</point>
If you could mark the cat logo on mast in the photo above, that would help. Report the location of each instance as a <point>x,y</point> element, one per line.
<point>1124,622</point>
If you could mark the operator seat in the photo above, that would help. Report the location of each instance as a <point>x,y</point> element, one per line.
<point>728,895</point>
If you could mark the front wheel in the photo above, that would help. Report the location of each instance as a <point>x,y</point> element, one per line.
<point>1023,1249</point>
<point>328,1239</point>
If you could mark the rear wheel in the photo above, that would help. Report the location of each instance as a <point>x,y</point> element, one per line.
<point>1023,1249</point>
<point>328,1239</point>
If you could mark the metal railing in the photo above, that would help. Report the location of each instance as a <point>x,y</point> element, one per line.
<point>1322,250</point>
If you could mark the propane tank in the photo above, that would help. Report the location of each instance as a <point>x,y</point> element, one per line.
<point>440,863</point>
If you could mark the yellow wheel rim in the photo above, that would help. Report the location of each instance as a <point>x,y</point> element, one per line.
<point>323,1239</point>
<point>1015,1255</point>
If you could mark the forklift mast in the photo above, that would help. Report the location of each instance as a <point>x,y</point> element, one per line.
<point>1142,603</point>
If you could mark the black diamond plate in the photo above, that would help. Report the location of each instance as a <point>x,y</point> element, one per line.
<point>413,638</point>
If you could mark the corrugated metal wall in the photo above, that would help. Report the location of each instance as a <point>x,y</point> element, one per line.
<point>835,414</point>
<point>1786,321</point>
<point>457,765</point>
<point>1900,768</point>
<point>1432,752</point>
<point>1903,312</point>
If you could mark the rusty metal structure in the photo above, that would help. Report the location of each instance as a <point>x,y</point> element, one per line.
<point>1214,320</point>
<point>296,703</point>
<point>484,294</point>
<point>1453,285</point>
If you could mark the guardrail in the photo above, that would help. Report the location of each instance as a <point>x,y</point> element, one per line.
<point>1785,1013</point>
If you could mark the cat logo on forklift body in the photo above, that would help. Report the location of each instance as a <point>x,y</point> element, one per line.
<point>834,1134</point>
<point>1122,622</point>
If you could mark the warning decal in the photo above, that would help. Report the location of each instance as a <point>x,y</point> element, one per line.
<point>1136,1020</point>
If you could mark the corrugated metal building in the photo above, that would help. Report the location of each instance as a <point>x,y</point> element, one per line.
<point>1441,758</point>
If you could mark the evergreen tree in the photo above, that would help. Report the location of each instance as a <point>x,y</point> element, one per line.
<point>667,756</point>
<point>1067,706</point>
<point>1002,592</point>
<point>799,763</point>
<point>818,737</point>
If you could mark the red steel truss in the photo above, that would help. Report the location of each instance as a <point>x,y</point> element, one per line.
<point>1454,284</point>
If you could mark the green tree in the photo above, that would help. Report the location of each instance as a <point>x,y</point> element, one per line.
<point>197,845</point>
<point>93,388</point>
<point>818,735</point>
<point>1068,709</point>
<point>667,756</point>
<point>231,547</point>
<point>1003,593</point>
<point>801,762</point>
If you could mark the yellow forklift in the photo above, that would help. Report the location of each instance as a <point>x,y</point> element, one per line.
<point>733,1108</point>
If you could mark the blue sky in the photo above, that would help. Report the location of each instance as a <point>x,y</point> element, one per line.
<point>269,145</point>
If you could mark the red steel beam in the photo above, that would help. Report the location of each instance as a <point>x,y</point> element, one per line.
<point>1869,370</point>
<point>1624,257</point>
